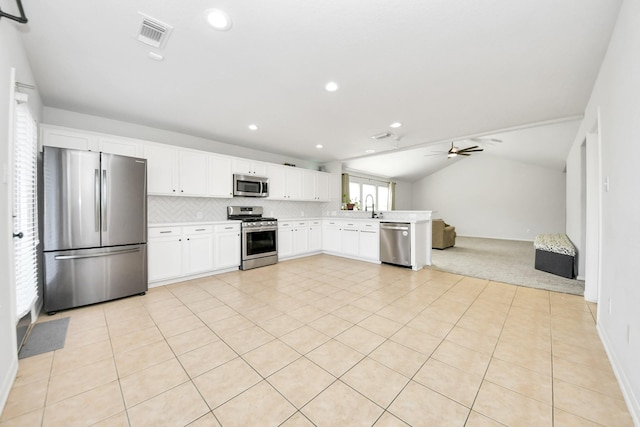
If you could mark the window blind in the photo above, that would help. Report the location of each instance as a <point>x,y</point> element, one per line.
<point>25,209</point>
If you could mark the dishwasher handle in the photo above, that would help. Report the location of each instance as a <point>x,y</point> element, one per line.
<point>392,226</point>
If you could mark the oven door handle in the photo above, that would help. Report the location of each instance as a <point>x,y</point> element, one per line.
<point>254,229</point>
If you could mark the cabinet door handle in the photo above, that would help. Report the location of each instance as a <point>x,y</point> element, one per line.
<point>200,229</point>
<point>166,232</point>
<point>228,228</point>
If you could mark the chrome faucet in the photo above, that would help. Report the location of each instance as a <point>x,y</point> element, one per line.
<point>373,207</point>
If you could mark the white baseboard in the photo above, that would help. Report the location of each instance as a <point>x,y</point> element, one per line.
<point>494,238</point>
<point>627,392</point>
<point>7,383</point>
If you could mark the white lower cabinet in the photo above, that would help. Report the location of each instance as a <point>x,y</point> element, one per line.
<point>164,253</point>
<point>350,244</point>
<point>226,246</point>
<point>332,236</point>
<point>315,236</point>
<point>198,249</point>
<point>369,241</point>
<point>353,239</point>
<point>176,252</point>
<point>293,238</point>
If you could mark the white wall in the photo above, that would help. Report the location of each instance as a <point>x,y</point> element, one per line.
<point>616,97</point>
<point>487,196</point>
<point>12,55</point>
<point>404,196</point>
<point>54,116</point>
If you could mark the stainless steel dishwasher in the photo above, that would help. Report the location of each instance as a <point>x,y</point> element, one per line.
<point>395,243</point>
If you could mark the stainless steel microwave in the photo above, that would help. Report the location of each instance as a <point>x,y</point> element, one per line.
<point>250,185</point>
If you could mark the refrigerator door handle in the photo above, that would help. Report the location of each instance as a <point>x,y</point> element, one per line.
<point>126,251</point>
<point>96,198</point>
<point>104,200</point>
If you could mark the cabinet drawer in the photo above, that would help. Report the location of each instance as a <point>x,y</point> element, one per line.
<point>331,223</point>
<point>227,228</point>
<point>370,226</point>
<point>197,229</point>
<point>164,231</point>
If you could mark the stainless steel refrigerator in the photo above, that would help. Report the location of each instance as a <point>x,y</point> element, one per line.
<point>94,228</point>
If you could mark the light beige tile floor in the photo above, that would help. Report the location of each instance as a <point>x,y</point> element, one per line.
<point>325,341</point>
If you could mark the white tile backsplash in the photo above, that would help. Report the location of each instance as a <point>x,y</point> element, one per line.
<point>162,209</point>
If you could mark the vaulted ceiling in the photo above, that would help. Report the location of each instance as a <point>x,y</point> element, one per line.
<point>445,69</point>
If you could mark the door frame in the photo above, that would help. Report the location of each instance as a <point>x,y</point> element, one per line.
<point>593,234</point>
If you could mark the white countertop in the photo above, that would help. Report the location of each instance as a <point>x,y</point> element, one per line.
<point>412,217</point>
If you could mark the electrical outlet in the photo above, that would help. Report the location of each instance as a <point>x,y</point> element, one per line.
<point>609,308</point>
<point>199,215</point>
<point>606,184</point>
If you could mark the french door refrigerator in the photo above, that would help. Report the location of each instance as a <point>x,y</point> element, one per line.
<point>94,227</point>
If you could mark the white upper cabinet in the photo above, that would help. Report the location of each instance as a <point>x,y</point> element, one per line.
<point>176,171</point>
<point>120,146</point>
<point>285,182</point>
<point>309,185</point>
<point>277,182</point>
<point>192,173</point>
<point>53,136</point>
<point>249,167</point>
<point>315,186</point>
<point>322,186</point>
<point>220,176</point>
<point>161,170</point>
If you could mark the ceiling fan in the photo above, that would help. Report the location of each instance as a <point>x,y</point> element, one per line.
<point>455,151</point>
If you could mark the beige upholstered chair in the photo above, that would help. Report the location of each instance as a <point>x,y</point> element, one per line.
<point>444,235</point>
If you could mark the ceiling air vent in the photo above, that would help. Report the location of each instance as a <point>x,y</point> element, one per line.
<point>153,32</point>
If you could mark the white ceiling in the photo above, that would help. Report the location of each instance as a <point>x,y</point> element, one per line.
<point>446,69</point>
<point>546,145</point>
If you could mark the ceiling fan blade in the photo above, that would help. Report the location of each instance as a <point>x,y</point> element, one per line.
<point>473,151</point>
<point>469,148</point>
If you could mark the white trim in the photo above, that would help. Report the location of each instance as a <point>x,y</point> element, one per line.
<point>7,383</point>
<point>633,405</point>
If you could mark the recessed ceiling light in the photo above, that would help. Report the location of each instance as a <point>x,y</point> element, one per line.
<point>319,146</point>
<point>253,127</point>
<point>395,125</point>
<point>331,86</point>
<point>370,151</point>
<point>218,19</point>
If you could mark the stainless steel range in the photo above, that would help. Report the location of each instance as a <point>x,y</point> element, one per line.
<point>259,236</point>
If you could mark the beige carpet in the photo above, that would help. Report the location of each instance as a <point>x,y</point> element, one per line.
<point>505,261</point>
